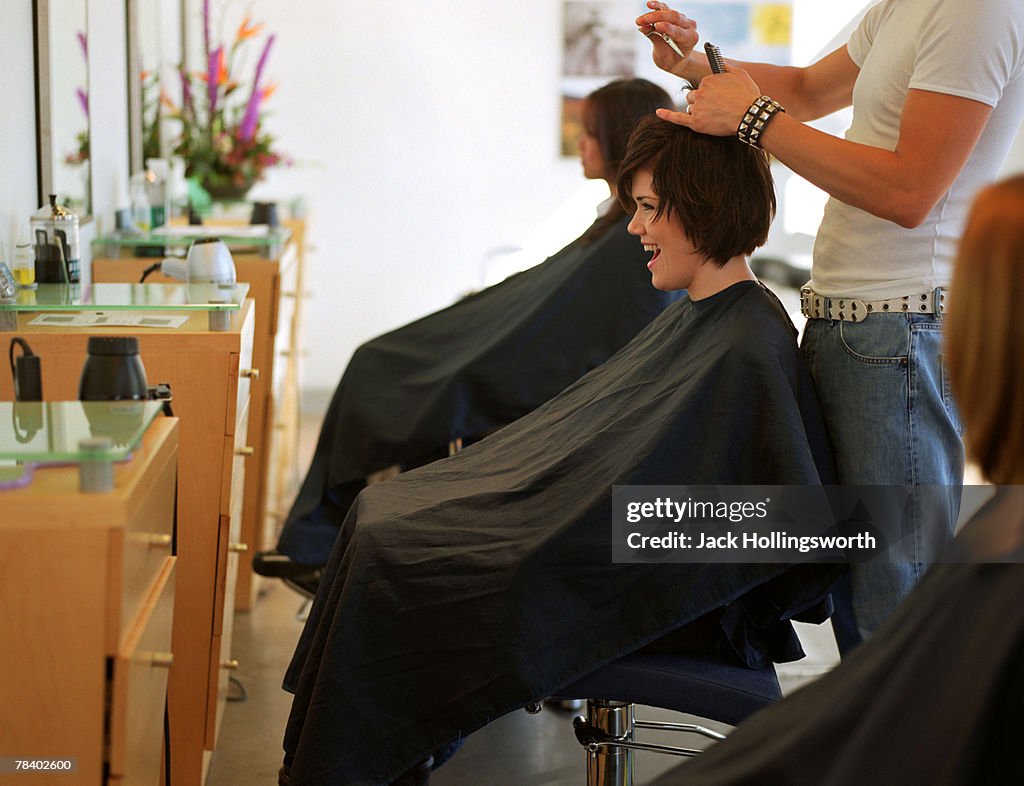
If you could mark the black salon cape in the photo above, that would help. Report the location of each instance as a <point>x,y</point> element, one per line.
<point>934,698</point>
<point>468,370</point>
<point>469,587</point>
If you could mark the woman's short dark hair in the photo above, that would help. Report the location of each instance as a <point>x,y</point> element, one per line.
<point>720,188</point>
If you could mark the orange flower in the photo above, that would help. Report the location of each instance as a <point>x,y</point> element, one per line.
<point>222,68</point>
<point>268,91</point>
<point>247,29</point>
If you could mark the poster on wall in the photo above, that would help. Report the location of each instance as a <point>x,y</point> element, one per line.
<point>601,43</point>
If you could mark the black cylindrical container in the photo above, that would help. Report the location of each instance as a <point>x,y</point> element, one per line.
<point>113,370</point>
<point>265,213</point>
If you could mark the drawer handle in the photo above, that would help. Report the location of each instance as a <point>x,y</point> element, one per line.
<point>249,373</point>
<point>150,539</point>
<point>230,665</point>
<point>245,451</point>
<point>161,660</point>
<point>155,539</point>
<point>238,548</point>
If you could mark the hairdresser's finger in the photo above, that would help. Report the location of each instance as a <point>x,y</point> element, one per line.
<point>665,17</point>
<point>685,37</point>
<point>679,118</point>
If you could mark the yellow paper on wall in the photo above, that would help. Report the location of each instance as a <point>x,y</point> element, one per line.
<point>772,23</point>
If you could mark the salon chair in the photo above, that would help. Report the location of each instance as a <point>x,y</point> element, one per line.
<point>697,685</point>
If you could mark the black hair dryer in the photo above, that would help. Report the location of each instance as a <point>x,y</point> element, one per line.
<point>113,370</point>
<point>25,372</point>
<point>27,375</point>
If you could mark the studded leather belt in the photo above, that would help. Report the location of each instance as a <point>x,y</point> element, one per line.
<point>815,306</point>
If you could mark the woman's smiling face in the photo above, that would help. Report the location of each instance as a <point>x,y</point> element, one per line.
<point>674,262</point>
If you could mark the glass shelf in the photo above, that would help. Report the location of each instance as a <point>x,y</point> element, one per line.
<point>130,297</point>
<point>52,431</point>
<point>294,208</point>
<point>175,240</point>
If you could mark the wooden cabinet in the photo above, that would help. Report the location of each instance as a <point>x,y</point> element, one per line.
<point>209,374</point>
<point>274,286</point>
<point>87,588</point>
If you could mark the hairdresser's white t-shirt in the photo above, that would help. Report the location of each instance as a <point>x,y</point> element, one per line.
<point>968,48</point>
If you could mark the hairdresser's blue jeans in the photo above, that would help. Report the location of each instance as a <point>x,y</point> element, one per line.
<point>888,408</point>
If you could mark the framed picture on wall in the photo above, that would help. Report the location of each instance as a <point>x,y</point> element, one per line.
<point>600,43</point>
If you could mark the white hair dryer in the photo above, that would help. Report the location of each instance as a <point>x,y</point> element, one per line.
<point>208,262</point>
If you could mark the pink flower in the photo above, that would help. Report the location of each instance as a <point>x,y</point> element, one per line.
<point>251,118</point>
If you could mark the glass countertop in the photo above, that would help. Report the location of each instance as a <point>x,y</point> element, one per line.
<point>130,297</point>
<point>238,237</point>
<point>51,431</point>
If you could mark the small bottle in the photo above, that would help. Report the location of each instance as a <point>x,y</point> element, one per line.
<point>23,262</point>
<point>157,191</point>
<point>140,201</point>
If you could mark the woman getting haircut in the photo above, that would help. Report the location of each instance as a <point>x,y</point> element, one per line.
<point>490,358</point>
<point>470,587</point>
<point>934,697</point>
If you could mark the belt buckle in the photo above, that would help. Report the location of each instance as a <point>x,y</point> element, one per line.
<point>806,300</point>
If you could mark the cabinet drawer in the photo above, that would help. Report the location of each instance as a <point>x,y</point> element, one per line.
<point>222,666</point>
<point>241,371</point>
<point>284,339</point>
<point>235,461</point>
<point>140,687</point>
<point>147,544</point>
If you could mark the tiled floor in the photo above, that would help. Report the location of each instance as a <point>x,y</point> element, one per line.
<point>516,750</point>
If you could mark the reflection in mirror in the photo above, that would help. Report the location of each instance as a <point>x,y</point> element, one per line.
<point>152,63</point>
<point>62,50</point>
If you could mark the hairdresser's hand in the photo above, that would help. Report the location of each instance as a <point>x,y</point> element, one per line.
<point>718,105</point>
<point>662,21</point>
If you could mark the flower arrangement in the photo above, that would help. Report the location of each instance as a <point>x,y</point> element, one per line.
<point>222,141</point>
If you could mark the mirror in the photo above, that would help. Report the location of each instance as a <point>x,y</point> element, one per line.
<point>154,54</point>
<point>62,93</point>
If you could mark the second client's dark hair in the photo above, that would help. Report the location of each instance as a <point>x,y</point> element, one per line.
<point>719,188</point>
<point>610,114</point>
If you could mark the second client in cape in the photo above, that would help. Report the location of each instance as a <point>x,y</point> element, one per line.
<point>490,358</point>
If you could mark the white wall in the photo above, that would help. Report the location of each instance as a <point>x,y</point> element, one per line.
<point>425,135</point>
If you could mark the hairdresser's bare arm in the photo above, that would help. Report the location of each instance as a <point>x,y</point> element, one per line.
<point>937,134</point>
<point>900,185</point>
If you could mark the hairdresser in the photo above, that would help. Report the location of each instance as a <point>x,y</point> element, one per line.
<point>937,89</point>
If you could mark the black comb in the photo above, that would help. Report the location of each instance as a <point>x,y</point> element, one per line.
<point>714,58</point>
